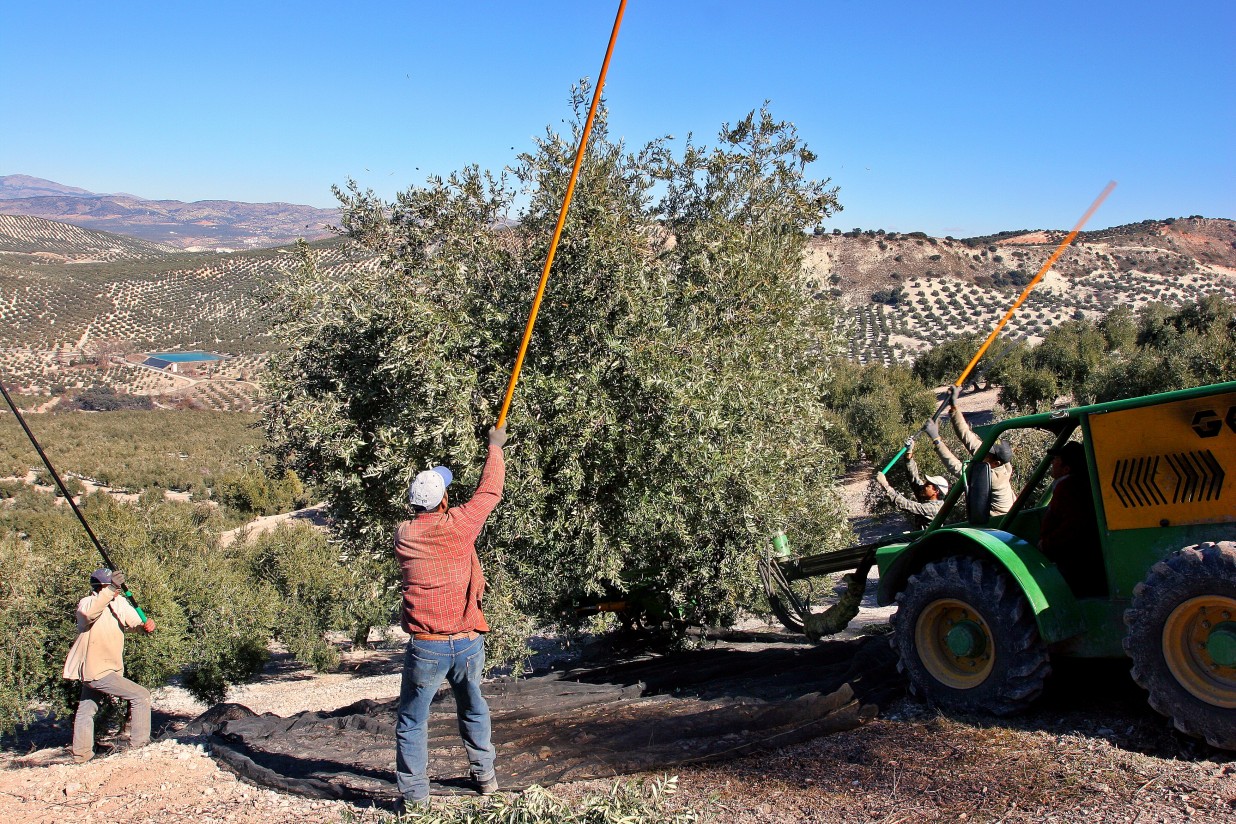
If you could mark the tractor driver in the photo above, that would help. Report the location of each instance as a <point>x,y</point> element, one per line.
<point>1069,533</point>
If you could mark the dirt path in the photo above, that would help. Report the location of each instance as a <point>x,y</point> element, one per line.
<point>314,515</point>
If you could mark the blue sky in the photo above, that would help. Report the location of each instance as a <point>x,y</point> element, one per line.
<point>950,118</point>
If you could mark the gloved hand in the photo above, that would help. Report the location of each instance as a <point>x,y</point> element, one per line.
<point>497,436</point>
<point>117,580</point>
<point>932,429</point>
<point>149,626</point>
<point>954,392</point>
<point>883,481</point>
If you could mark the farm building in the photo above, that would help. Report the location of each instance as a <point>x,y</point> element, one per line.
<point>173,361</point>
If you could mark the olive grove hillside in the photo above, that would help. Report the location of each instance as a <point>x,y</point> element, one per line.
<point>1124,354</point>
<point>909,292</point>
<point>79,307</point>
<point>669,415</point>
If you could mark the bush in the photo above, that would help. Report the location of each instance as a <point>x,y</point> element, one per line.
<point>105,399</point>
<point>251,489</point>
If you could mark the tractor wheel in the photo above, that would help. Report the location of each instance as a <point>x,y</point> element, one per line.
<point>966,638</point>
<point>1182,639</point>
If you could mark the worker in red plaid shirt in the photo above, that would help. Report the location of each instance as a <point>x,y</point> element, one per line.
<point>442,589</point>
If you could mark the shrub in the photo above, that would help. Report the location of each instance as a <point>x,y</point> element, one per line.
<point>105,399</point>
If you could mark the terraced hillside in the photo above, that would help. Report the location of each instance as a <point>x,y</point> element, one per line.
<point>47,241</point>
<point>84,314</point>
<point>78,308</point>
<point>906,293</point>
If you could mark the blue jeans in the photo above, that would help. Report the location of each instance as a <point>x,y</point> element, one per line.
<point>425,664</point>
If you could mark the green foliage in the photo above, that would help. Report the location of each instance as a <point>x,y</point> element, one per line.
<point>628,802</point>
<point>203,614</point>
<point>892,296</point>
<point>216,609</point>
<point>133,450</point>
<point>309,586</point>
<point>668,412</point>
<point>1123,356</point>
<point>106,399</point>
<point>251,489</point>
<point>874,408</point>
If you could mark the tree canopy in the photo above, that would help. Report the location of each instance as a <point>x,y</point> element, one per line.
<point>671,411</point>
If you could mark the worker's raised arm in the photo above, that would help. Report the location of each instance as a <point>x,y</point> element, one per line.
<point>92,606</point>
<point>488,493</point>
<point>969,439</point>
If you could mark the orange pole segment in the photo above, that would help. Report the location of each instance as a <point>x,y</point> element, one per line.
<point>1094,207</point>
<point>562,214</point>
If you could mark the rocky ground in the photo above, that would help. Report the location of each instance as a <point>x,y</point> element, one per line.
<point>1092,751</point>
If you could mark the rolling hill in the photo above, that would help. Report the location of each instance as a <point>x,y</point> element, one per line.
<point>202,225</point>
<point>68,294</point>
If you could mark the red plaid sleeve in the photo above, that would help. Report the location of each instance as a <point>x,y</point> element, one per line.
<point>442,578</point>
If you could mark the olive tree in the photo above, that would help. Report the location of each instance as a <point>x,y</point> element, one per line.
<point>670,412</point>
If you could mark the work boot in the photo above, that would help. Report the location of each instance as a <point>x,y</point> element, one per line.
<point>487,785</point>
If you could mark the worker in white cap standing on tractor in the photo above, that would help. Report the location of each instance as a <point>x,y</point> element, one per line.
<point>442,589</point>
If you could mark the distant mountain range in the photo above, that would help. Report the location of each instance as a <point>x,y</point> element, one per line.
<point>202,225</point>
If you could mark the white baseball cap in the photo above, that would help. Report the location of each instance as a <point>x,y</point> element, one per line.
<point>939,482</point>
<point>428,487</point>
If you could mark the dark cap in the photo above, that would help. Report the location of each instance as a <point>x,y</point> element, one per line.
<point>1072,453</point>
<point>101,576</point>
<point>1001,451</point>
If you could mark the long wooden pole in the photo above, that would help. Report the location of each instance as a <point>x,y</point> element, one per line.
<point>1064,244</point>
<point>965,373</point>
<point>562,214</point>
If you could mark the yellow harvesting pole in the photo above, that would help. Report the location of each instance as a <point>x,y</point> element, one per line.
<point>1094,207</point>
<point>562,214</point>
<point>961,379</point>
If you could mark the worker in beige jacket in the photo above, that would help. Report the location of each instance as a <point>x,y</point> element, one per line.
<point>97,660</point>
<point>999,457</point>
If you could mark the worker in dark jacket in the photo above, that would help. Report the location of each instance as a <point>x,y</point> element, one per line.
<point>1069,533</point>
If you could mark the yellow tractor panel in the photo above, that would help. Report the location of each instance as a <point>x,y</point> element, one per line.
<point>1167,465</point>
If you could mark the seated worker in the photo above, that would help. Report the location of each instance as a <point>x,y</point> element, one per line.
<point>999,457</point>
<point>930,492</point>
<point>1069,533</point>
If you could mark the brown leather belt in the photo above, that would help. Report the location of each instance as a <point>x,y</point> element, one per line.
<point>459,636</point>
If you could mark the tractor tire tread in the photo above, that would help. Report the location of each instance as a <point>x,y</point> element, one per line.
<point>1024,662</point>
<point>1192,570</point>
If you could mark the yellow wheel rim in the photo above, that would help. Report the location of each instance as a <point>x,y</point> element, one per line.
<point>954,644</point>
<point>1198,632</point>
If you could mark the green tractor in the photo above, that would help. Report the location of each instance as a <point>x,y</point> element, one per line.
<point>982,611</point>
